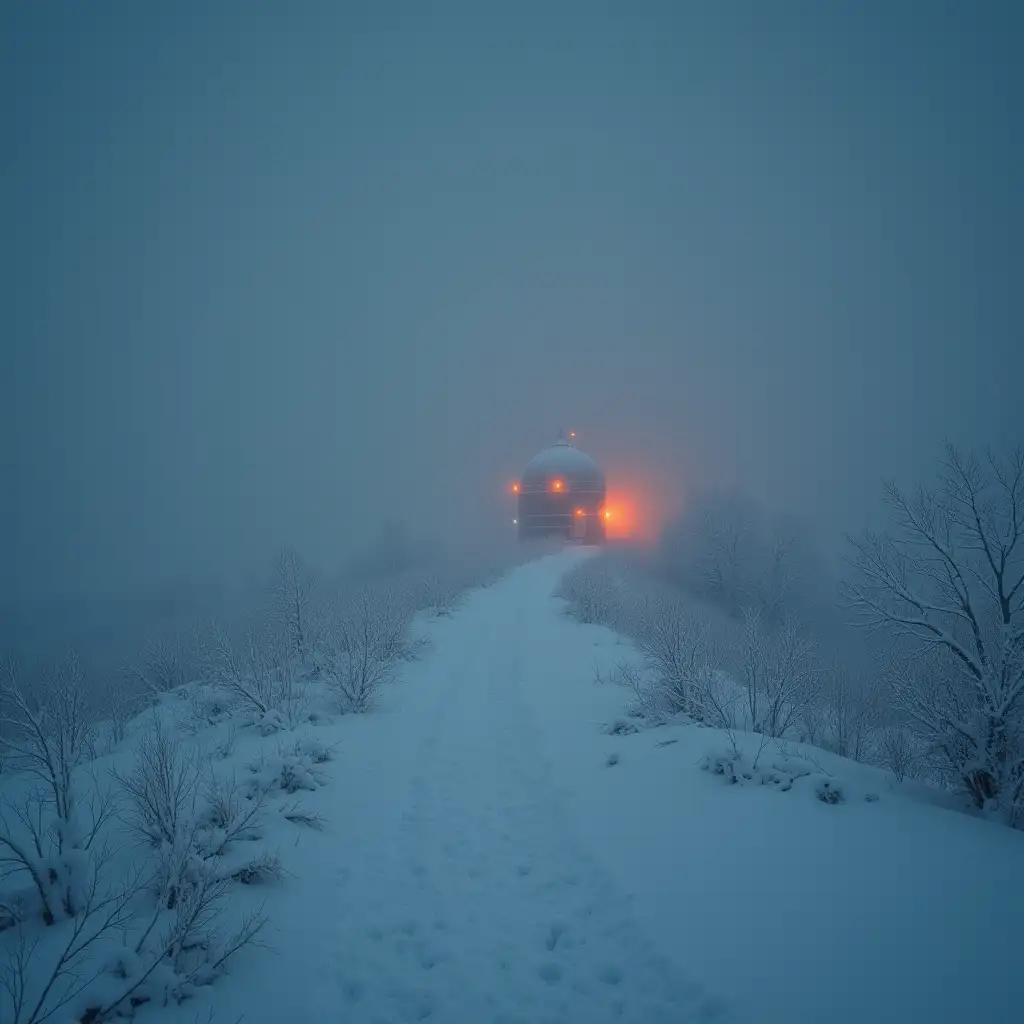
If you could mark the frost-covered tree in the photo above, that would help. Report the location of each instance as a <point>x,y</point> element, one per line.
<point>293,589</point>
<point>728,550</point>
<point>948,583</point>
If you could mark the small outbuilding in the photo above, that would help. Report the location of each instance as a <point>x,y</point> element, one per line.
<point>562,493</point>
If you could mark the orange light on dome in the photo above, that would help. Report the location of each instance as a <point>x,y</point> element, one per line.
<point>557,485</point>
<point>579,512</point>
<point>515,488</point>
<point>607,513</point>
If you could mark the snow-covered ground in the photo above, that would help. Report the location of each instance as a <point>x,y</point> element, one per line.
<point>484,862</point>
<point>493,853</point>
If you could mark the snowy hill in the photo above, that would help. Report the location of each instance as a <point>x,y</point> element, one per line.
<point>497,845</point>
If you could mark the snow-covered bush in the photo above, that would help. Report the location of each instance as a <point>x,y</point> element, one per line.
<point>368,634</point>
<point>594,591</point>
<point>682,652</point>
<point>777,671</point>
<point>207,705</point>
<point>49,827</point>
<point>258,671</point>
<point>897,751</point>
<point>774,767</point>
<point>292,767</point>
<point>828,791</point>
<point>697,664</point>
<point>165,663</point>
<point>162,787</point>
<point>849,714</point>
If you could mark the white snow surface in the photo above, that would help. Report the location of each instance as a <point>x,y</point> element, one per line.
<point>484,862</point>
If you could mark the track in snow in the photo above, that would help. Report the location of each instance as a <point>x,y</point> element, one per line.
<point>469,901</point>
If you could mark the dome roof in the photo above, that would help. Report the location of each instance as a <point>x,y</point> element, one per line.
<point>563,461</point>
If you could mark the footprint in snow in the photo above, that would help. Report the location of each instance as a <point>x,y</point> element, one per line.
<point>555,933</point>
<point>550,972</point>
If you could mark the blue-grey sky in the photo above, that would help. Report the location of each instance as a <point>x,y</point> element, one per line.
<point>275,272</point>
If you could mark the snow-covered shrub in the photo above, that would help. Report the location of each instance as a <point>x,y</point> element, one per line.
<point>257,672</point>
<point>225,746</point>
<point>292,768</point>
<point>48,830</point>
<point>620,727</point>
<point>593,591</point>
<point>208,705</point>
<point>264,868</point>
<point>268,723</point>
<point>144,934</point>
<point>645,704</point>
<point>164,664</point>
<point>233,814</point>
<point>435,591</point>
<point>897,751</point>
<point>167,951</point>
<point>162,786</point>
<point>367,636</point>
<point>777,670</point>
<point>847,715</point>
<point>775,766</point>
<point>724,764</point>
<point>681,646</point>
<point>682,651</point>
<point>828,791</point>
<point>298,815</point>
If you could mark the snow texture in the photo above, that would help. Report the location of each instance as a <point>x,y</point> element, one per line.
<point>500,843</point>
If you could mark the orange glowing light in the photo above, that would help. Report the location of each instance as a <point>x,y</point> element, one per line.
<point>579,512</point>
<point>639,502</point>
<point>515,488</point>
<point>557,485</point>
<point>623,516</point>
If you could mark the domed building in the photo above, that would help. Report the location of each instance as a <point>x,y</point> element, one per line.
<point>562,493</point>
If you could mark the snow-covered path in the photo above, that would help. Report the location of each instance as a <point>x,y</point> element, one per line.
<point>480,905</point>
<point>456,891</point>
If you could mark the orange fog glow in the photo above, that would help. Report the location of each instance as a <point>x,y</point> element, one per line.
<point>636,508</point>
<point>622,520</point>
